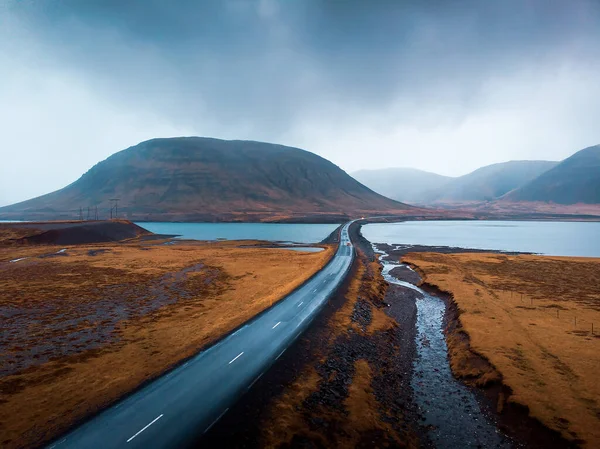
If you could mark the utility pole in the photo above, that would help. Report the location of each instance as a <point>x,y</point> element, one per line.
<point>116,206</point>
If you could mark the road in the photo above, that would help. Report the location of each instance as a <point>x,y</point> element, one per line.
<point>175,409</point>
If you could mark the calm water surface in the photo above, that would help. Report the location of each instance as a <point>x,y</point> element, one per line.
<point>552,238</point>
<point>297,233</point>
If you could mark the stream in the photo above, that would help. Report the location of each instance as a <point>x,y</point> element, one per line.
<point>451,413</point>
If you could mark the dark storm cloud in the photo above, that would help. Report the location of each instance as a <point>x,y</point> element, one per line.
<point>445,86</point>
<point>264,63</point>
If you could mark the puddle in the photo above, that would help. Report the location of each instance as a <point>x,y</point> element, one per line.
<point>450,410</point>
<point>308,249</point>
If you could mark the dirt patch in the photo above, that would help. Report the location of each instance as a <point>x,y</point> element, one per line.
<point>70,233</point>
<point>345,383</point>
<point>83,329</point>
<point>508,316</point>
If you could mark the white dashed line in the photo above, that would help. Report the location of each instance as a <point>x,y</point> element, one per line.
<point>276,325</point>
<point>216,420</point>
<point>236,357</point>
<point>16,260</point>
<point>155,419</point>
<point>255,380</point>
<point>300,304</point>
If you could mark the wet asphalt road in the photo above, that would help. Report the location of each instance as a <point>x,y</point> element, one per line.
<point>176,409</point>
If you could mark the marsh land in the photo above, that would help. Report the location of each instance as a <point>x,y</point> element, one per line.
<point>84,325</point>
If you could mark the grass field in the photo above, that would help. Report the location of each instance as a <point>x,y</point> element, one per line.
<point>84,326</point>
<point>531,317</point>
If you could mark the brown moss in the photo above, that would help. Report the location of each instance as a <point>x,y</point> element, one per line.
<point>506,305</point>
<point>178,298</point>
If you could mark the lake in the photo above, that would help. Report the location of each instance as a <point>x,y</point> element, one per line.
<point>551,238</point>
<point>297,233</point>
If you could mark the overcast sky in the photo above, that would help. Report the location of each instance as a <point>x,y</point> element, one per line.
<point>445,86</point>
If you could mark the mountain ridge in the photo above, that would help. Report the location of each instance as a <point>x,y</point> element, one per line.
<point>483,184</point>
<point>574,180</point>
<point>208,179</point>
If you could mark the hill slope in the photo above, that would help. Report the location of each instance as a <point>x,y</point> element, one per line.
<point>574,180</point>
<point>198,179</point>
<point>489,182</point>
<point>402,184</point>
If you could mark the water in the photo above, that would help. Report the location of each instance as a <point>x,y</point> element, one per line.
<point>551,238</point>
<point>306,249</point>
<point>297,233</point>
<point>449,408</point>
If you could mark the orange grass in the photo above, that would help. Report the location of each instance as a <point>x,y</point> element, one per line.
<point>232,285</point>
<point>531,317</point>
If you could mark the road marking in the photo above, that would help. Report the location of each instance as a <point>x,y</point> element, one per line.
<point>280,354</point>
<point>300,304</point>
<point>276,325</point>
<point>155,419</point>
<point>255,380</point>
<point>60,442</point>
<point>216,420</point>
<point>16,260</point>
<point>236,357</point>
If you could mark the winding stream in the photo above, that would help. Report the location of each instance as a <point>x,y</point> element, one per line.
<point>450,410</point>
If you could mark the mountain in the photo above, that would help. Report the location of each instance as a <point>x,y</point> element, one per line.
<point>574,180</point>
<point>484,184</point>
<point>204,179</point>
<point>402,184</point>
<point>489,182</point>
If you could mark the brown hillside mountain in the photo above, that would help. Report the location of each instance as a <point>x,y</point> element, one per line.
<point>574,180</point>
<point>204,179</point>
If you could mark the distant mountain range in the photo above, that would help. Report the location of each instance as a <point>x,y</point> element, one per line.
<point>573,181</point>
<point>489,182</point>
<point>203,179</point>
<point>402,184</point>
